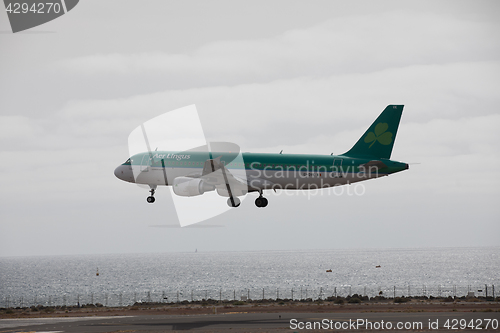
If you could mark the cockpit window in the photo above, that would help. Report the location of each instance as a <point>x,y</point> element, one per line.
<point>127,162</point>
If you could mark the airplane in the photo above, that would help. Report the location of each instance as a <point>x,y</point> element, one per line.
<point>219,168</point>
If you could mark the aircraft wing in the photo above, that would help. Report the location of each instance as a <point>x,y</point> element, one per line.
<point>227,183</point>
<point>211,166</point>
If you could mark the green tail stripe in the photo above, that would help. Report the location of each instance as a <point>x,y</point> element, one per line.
<point>378,139</point>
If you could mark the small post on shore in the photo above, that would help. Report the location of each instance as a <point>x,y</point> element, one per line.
<point>394,291</point>
<point>292,294</point>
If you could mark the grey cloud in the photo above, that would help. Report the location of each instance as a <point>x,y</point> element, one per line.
<point>338,46</point>
<point>307,81</point>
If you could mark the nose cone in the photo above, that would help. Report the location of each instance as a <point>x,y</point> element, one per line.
<point>118,172</point>
<point>124,172</point>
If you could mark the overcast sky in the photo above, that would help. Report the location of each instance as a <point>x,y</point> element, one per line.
<point>302,76</point>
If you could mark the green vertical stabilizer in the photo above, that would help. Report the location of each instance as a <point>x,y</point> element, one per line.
<point>378,139</point>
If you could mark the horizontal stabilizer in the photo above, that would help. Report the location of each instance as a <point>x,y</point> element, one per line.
<point>374,163</point>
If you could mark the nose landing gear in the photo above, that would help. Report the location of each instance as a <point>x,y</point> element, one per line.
<point>151,198</point>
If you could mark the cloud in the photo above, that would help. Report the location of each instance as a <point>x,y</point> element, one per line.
<point>453,137</point>
<point>18,128</point>
<point>298,110</point>
<point>301,116</point>
<point>308,90</point>
<point>355,44</point>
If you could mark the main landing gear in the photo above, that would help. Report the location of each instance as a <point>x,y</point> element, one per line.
<point>151,198</point>
<point>261,202</point>
<point>236,202</point>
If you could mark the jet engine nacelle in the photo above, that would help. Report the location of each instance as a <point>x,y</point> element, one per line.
<point>190,187</point>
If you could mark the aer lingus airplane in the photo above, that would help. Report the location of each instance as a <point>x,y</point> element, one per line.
<point>231,174</point>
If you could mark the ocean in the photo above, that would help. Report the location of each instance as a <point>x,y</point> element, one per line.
<point>170,277</point>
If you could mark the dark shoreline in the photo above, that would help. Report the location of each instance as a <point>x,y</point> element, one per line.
<point>355,303</point>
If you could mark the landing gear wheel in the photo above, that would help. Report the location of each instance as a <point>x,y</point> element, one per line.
<point>151,198</point>
<point>261,202</point>
<point>237,202</point>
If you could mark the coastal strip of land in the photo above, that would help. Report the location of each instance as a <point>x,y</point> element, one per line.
<point>209,307</point>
